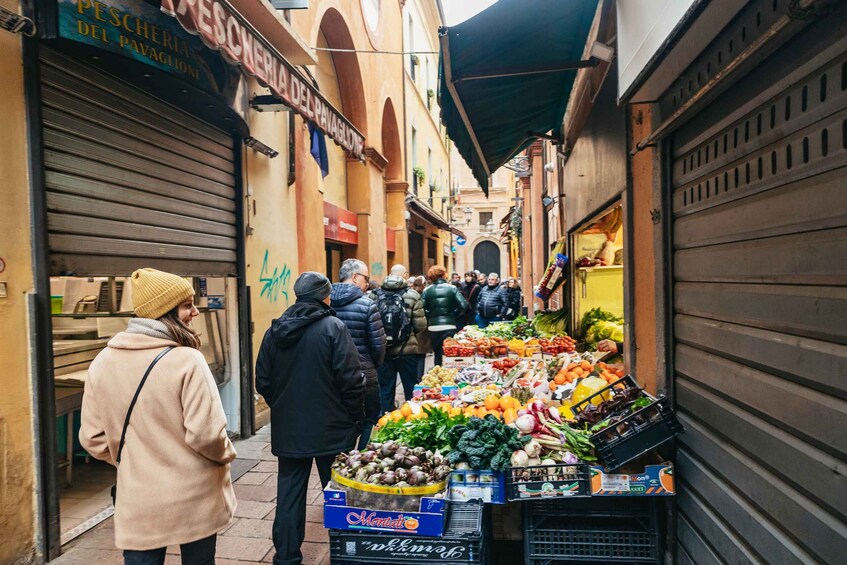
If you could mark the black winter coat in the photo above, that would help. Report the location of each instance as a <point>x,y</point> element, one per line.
<point>492,302</point>
<point>444,304</point>
<point>308,372</point>
<point>361,316</point>
<point>513,303</point>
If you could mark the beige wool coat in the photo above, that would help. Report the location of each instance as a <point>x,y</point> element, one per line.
<point>174,482</point>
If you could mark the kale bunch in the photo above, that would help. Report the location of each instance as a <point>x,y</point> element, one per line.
<point>484,443</point>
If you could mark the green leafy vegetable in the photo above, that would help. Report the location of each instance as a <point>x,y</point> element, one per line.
<point>431,432</point>
<point>485,443</point>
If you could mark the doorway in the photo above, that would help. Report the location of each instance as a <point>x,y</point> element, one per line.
<point>416,266</point>
<point>486,257</point>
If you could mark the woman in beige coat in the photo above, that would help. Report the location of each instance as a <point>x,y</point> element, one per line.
<point>174,485</point>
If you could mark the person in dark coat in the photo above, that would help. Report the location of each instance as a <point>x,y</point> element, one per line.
<point>309,374</point>
<point>361,316</point>
<point>513,299</point>
<point>444,306</point>
<point>492,302</point>
<point>470,290</point>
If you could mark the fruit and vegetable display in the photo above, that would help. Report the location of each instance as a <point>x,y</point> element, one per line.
<point>598,324</point>
<point>551,323</point>
<point>392,464</point>
<point>439,376</point>
<point>428,431</point>
<point>484,443</point>
<point>459,348</point>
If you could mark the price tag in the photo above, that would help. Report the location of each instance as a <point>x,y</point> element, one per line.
<point>614,483</point>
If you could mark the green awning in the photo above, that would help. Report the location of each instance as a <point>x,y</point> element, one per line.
<point>506,75</point>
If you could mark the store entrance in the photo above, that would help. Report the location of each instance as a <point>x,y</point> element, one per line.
<point>87,312</point>
<point>416,264</point>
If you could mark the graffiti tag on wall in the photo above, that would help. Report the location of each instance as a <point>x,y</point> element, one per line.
<point>276,283</point>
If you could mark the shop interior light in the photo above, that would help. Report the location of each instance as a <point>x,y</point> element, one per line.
<point>257,145</point>
<point>16,23</point>
<point>268,103</point>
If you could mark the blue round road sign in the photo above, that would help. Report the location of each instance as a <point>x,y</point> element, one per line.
<point>461,240</point>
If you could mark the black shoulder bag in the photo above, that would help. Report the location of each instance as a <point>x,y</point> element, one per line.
<point>129,413</point>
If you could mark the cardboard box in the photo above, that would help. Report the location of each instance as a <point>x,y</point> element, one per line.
<point>466,484</point>
<point>655,480</point>
<point>458,362</point>
<point>428,521</point>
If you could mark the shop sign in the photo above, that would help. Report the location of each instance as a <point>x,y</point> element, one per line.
<point>225,30</point>
<point>140,31</point>
<point>340,225</point>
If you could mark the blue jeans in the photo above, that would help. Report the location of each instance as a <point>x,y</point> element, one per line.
<point>483,322</point>
<point>407,366</point>
<point>200,552</point>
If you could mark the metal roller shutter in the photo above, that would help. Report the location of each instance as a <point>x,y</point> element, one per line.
<point>759,200</point>
<point>131,180</point>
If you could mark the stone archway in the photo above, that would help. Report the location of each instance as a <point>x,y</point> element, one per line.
<point>487,257</point>
<point>395,186</point>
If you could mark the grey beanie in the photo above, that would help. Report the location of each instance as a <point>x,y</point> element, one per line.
<point>312,285</point>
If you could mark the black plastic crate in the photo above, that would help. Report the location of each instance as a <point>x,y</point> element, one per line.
<point>548,481</point>
<point>463,542</point>
<point>605,532</point>
<point>637,433</point>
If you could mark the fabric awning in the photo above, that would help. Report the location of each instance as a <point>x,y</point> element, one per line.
<point>506,75</point>
<point>430,216</point>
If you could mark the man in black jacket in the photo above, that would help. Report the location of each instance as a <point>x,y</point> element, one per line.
<point>470,290</point>
<point>361,316</point>
<point>491,306</point>
<point>308,372</point>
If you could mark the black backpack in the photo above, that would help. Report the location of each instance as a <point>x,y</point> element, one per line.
<point>395,318</point>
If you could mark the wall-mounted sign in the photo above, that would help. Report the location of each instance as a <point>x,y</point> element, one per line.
<point>390,240</point>
<point>139,31</point>
<point>461,240</point>
<point>340,225</point>
<point>225,30</point>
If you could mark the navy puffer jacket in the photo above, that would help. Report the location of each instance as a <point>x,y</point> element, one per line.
<point>361,316</point>
<point>492,302</point>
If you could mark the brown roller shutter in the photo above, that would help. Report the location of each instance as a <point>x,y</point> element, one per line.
<point>131,180</point>
<point>759,201</point>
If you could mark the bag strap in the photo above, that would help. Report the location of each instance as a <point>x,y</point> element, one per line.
<point>135,398</point>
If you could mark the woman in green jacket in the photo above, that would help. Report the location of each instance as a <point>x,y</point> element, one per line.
<point>444,306</point>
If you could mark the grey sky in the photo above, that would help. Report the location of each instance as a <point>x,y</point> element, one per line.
<point>457,11</point>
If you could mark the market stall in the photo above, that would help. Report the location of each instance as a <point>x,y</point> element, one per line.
<point>517,425</point>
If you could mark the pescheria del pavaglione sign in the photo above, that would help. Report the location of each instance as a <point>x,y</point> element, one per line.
<point>225,30</point>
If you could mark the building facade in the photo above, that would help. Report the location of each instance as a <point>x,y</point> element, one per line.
<point>427,148</point>
<point>133,143</point>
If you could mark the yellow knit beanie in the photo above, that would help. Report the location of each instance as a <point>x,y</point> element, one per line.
<point>155,293</point>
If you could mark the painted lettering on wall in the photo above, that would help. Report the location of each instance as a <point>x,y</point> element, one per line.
<point>274,283</point>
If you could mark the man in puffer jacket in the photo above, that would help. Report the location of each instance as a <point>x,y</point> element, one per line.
<point>361,316</point>
<point>492,305</point>
<point>403,357</point>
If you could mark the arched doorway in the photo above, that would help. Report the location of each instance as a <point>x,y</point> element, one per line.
<point>486,257</point>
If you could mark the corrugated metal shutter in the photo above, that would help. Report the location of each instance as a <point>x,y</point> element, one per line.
<point>760,303</point>
<point>131,180</point>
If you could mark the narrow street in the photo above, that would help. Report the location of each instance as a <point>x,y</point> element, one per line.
<point>248,538</point>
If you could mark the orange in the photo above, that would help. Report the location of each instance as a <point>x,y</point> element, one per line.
<point>505,402</point>
<point>495,413</point>
<point>469,411</point>
<point>571,376</point>
<point>585,366</point>
<point>572,366</point>
<point>553,386</point>
<point>406,410</point>
<point>480,412</point>
<point>560,379</point>
<point>510,415</point>
<point>382,421</point>
<point>396,415</point>
<point>491,387</point>
<point>492,402</point>
<point>578,371</point>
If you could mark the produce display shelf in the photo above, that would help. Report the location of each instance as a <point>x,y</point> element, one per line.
<point>548,481</point>
<point>592,531</point>
<point>637,433</point>
<point>463,542</point>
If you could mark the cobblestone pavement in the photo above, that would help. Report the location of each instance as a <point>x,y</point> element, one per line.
<point>248,538</point>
